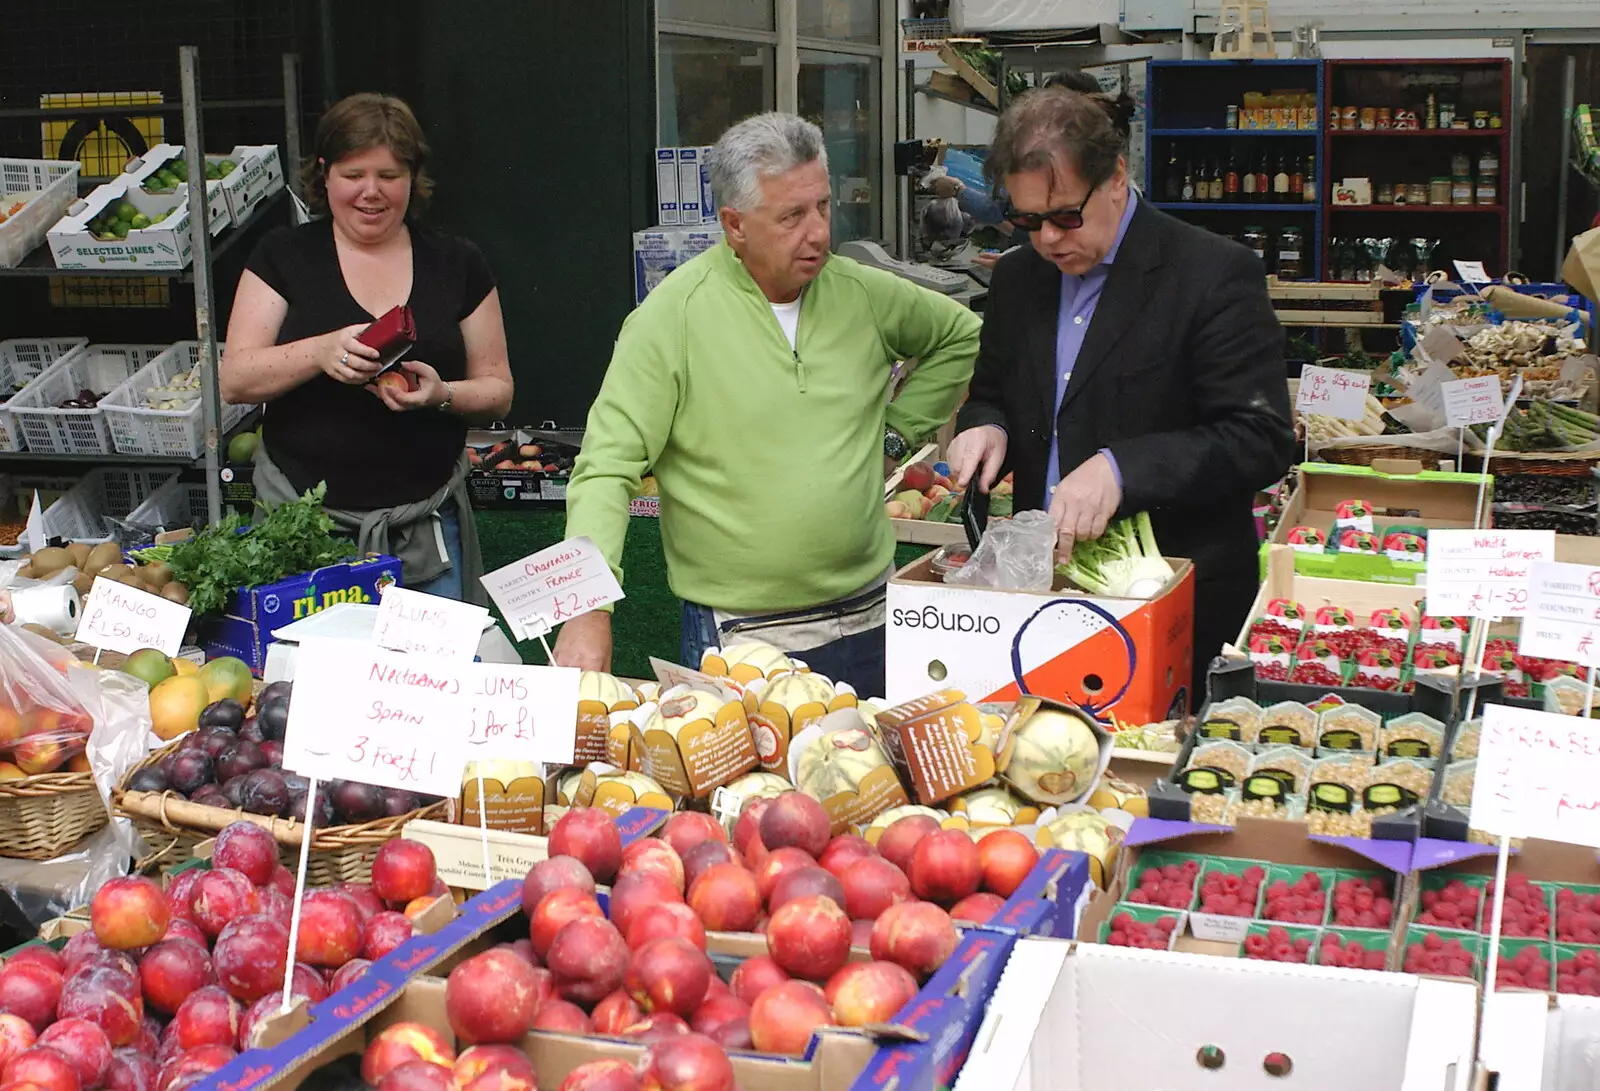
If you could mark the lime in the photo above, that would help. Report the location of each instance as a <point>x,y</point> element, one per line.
<point>120,229</point>
<point>127,210</point>
<point>161,216</point>
<point>139,221</point>
<point>179,169</point>
<point>226,166</point>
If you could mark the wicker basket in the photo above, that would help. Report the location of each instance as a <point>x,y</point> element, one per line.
<point>43,816</point>
<point>1549,463</point>
<point>172,827</point>
<point>1366,455</point>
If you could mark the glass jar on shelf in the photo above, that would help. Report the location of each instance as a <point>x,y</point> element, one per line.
<point>1438,190</point>
<point>1488,191</point>
<point>1460,163</point>
<point>1489,161</point>
<point>1291,245</point>
<point>1461,189</point>
<point>1384,194</point>
<point>1255,237</point>
<point>1417,193</point>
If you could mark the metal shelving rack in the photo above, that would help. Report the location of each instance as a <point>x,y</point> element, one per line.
<point>199,272</point>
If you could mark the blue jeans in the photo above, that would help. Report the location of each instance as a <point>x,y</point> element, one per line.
<point>448,585</point>
<point>855,659</point>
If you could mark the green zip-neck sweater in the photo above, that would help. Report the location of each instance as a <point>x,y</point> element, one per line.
<point>769,459</point>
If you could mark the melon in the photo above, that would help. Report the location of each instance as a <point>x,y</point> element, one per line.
<point>1088,833</point>
<point>1051,756</point>
<point>837,762</point>
<point>785,706</point>
<point>994,806</point>
<point>746,662</point>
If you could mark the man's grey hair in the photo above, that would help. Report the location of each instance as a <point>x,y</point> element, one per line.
<point>766,144</point>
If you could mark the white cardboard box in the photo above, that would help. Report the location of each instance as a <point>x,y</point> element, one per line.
<point>160,246</point>
<point>262,169</point>
<point>660,250</point>
<point>1541,1043</point>
<point>218,201</point>
<point>1087,1017</point>
<point>696,205</point>
<point>667,187</point>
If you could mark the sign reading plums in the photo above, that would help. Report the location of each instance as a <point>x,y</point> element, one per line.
<point>393,719</point>
<point>554,585</point>
<point>411,621</point>
<point>119,618</point>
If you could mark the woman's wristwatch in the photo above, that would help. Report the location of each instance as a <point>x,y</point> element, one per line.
<point>449,396</point>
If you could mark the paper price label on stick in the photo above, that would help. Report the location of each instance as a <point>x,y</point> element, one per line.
<point>1472,401</point>
<point>119,618</point>
<point>1563,620</point>
<point>366,713</point>
<point>1333,392</point>
<point>554,585</point>
<point>1483,573</point>
<point>1538,776</point>
<point>410,621</point>
<point>37,538</point>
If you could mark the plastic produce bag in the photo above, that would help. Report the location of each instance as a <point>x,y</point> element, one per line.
<point>1016,555</point>
<point>46,889</point>
<point>43,723</point>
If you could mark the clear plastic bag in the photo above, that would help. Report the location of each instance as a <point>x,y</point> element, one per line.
<point>1016,555</point>
<point>43,723</point>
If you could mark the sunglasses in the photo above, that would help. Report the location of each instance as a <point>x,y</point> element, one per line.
<point>1067,219</point>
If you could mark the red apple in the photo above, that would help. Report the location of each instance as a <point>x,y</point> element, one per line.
<point>715,1011</point>
<point>330,929</point>
<point>778,863</point>
<point>916,935</point>
<point>689,829</point>
<point>495,1068</point>
<point>130,1070</point>
<point>193,1067</point>
<point>689,1062</point>
<point>589,959</point>
<point>667,919</point>
<point>589,835</point>
<point>47,957</point>
<point>863,993</point>
<point>705,855</point>
<point>601,1076</point>
<point>251,956</point>
<point>809,937</point>
<point>747,828</point>
<point>1006,857</point>
<point>804,883</point>
<point>755,976</point>
<point>555,911</point>
<point>491,997</point>
<point>171,970</point>
<point>550,875</point>
<point>220,897</point>
<point>637,891</point>
<point>899,840</point>
<point>109,996</point>
<point>184,928</point>
<point>16,1035</point>
<point>783,1018</point>
<point>79,949</point>
<point>977,908</point>
<point>617,1012</point>
<point>248,849</point>
<point>43,1068</point>
<point>945,867</point>
<point>871,885</point>
<point>796,820</point>
<point>30,990</point>
<point>129,911</point>
<point>403,870</point>
<point>362,894</point>
<point>402,1043</point>
<point>208,1017</point>
<point>180,893</point>
<point>727,898</point>
<point>347,975</point>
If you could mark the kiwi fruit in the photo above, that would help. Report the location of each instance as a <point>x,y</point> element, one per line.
<point>83,582</point>
<point>118,572</point>
<point>79,552</point>
<point>155,576</point>
<point>101,555</point>
<point>28,572</point>
<point>176,592</point>
<point>51,559</point>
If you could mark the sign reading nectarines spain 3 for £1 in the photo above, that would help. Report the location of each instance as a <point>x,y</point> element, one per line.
<point>554,585</point>
<point>119,618</point>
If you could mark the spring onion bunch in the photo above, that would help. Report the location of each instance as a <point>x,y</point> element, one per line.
<point>1124,562</point>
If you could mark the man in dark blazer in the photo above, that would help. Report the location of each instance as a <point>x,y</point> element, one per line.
<point>1129,362</point>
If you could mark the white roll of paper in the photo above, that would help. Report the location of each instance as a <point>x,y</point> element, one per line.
<point>56,608</point>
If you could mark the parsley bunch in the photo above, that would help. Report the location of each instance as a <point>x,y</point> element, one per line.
<point>294,537</point>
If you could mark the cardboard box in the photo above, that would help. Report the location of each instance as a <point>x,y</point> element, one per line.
<point>1128,658</point>
<point>659,251</point>
<point>667,186</point>
<point>696,205</point>
<point>458,849</point>
<point>1086,1017</point>
<point>263,177</point>
<point>219,204</point>
<point>697,739</point>
<point>1400,493</point>
<point>936,745</point>
<point>163,245</point>
<point>245,629</point>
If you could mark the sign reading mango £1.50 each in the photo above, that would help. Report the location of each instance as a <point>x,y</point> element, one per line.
<point>119,618</point>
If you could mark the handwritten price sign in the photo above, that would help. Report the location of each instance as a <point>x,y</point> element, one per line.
<point>1483,573</point>
<point>119,618</point>
<point>410,621</point>
<point>558,584</point>
<point>1538,776</point>
<point>1333,392</point>
<point>1472,401</point>
<point>1563,619</point>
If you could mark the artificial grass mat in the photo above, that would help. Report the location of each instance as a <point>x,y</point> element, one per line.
<point>647,622</point>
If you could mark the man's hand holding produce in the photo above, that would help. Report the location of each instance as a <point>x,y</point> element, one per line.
<point>1084,502</point>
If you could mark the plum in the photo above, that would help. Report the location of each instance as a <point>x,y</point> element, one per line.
<point>266,793</point>
<point>355,802</point>
<point>237,760</point>
<point>226,713</point>
<point>189,769</point>
<point>149,779</point>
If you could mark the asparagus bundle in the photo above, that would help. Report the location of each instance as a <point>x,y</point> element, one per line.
<point>1544,426</point>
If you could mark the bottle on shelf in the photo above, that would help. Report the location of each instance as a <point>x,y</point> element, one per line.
<point>1187,193</point>
<point>1215,190</point>
<point>1263,180</point>
<point>1308,192</point>
<point>1280,181</point>
<point>1174,189</point>
<point>1230,183</point>
<point>1297,181</point>
<point>1247,183</point>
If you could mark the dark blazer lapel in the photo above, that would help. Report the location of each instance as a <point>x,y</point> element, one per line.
<point>1040,315</point>
<point>1122,299</point>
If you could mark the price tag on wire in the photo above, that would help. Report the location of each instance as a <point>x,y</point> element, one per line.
<point>1483,573</point>
<point>119,618</point>
<point>554,585</point>
<point>1333,392</point>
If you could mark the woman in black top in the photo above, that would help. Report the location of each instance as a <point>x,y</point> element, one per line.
<point>393,459</point>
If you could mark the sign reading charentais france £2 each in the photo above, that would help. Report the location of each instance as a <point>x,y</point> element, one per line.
<point>554,585</point>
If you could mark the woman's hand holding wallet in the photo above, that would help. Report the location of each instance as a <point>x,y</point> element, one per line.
<point>346,359</point>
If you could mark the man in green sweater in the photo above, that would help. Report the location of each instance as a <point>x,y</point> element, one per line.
<point>754,381</point>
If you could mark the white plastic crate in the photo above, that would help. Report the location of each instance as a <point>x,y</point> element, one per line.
<point>101,368</point>
<point>137,430</point>
<point>175,505</point>
<point>55,182</point>
<point>80,515</point>
<point>22,361</point>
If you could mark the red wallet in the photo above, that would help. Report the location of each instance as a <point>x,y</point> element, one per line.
<point>392,335</point>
